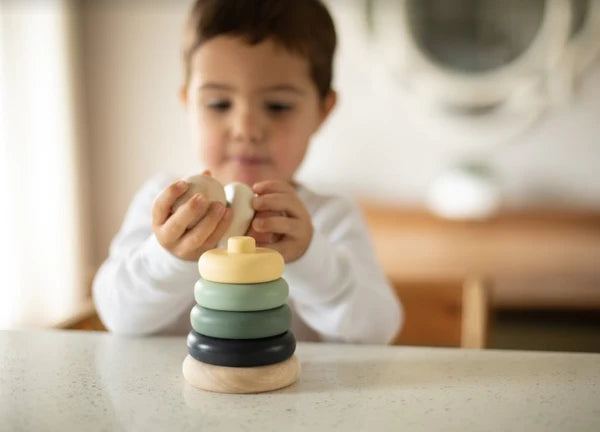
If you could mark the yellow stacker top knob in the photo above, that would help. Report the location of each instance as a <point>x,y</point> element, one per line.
<point>242,262</point>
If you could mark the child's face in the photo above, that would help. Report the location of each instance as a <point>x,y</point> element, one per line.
<point>253,109</point>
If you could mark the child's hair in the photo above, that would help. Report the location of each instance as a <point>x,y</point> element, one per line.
<point>301,26</point>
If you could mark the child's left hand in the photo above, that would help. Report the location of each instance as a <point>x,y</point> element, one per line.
<point>281,217</point>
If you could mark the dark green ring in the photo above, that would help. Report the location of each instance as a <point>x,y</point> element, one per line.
<point>241,325</point>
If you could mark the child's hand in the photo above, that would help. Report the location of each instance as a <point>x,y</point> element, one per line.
<point>264,238</point>
<point>194,228</point>
<point>282,221</point>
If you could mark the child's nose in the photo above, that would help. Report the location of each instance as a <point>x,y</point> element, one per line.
<point>247,127</point>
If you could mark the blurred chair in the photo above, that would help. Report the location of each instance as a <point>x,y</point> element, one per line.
<point>440,313</point>
<point>87,319</point>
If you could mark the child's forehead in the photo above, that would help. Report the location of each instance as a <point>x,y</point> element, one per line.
<point>227,56</point>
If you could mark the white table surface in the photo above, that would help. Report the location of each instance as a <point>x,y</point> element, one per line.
<point>62,381</point>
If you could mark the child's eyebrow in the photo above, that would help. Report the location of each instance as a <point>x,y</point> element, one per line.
<point>283,87</point>
<point>215,86</point>
<point>278,87</point>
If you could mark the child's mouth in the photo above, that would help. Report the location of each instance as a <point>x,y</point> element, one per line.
<point>249,160</point>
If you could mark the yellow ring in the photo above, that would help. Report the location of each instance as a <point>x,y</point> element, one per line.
<point>241,262</point>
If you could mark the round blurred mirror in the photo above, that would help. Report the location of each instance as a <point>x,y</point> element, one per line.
<point>474,35</point>
<point>483,70</point>
<point>579,11</point>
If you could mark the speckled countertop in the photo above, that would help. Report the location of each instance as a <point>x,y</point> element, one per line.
<point>63,381</point>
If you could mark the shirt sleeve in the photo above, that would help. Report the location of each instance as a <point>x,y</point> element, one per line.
<point>337,286</point>
<point>142,288</point>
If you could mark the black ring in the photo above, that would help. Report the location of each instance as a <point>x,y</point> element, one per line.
<point>241,352</point>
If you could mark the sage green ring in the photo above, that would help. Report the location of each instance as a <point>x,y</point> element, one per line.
<point>241,297</point>
<point>241,325</point>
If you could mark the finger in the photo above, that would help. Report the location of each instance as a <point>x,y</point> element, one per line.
<point>213,240</point>
<point>263,238</point>
<point>271,186</point>
<point>277,224</point>
<point>206,173</point>
<point>161,208</point>
<point>284,247</point>
<point>185,216</point>
<point>267,213</point>
<point>278,202</point>
<point>197,236</point>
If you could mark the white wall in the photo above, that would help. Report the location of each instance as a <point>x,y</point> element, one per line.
<point>136,126</point>
<point>368,148</point>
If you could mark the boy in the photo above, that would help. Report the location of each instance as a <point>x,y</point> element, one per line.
<point>257,87</point>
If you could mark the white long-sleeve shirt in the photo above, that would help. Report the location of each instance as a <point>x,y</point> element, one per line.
<point>337,289</point>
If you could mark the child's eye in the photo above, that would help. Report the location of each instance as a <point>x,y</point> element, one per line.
<point>277,107</point>
<point>219,105</point>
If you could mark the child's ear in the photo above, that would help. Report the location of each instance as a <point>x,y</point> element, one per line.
<point>327,105</point>
<point>183,95</point>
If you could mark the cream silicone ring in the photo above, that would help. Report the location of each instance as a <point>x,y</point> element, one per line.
<point>223,379</point>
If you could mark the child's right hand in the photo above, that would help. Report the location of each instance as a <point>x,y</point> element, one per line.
<point>194,228</point>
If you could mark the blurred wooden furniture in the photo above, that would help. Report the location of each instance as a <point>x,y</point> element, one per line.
<point>86,319</point>
<point>435,314</point>
<point>438,313</point>
<point>536,259</point>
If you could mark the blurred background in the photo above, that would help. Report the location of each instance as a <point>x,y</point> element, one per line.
<point>468,131</point>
